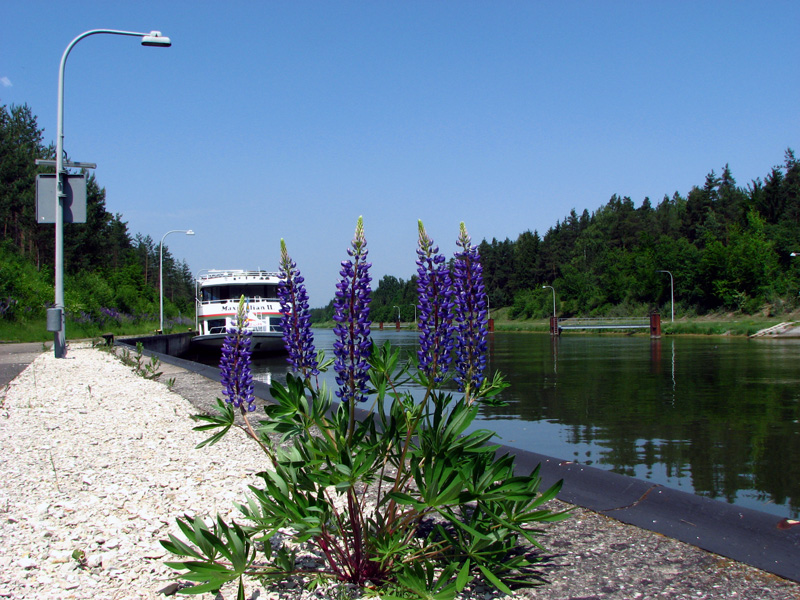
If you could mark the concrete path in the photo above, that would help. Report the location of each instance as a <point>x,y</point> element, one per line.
<point>15,357</point>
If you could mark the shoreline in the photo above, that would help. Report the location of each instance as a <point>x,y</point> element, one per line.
<point>103,460</point>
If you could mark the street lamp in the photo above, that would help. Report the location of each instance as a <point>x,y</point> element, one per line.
<point>554,298</point>
<point>398,313</point>
<point>161,273</point>
<point>671,290</point>
<point>154,38</point>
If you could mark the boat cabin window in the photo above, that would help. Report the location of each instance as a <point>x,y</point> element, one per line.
<point>215,326</point>
<point>251,292</point>
<point>275,324</point>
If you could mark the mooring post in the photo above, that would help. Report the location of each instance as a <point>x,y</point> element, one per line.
<point>554,326</point>
<point>655,325</point>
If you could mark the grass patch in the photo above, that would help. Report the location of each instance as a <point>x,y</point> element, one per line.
<point>35,330</point>
<point>715,324</point>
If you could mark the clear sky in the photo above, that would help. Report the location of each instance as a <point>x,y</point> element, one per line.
<point>269,120</point>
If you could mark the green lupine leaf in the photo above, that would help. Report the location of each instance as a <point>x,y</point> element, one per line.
<point>405,499</point>
<point>199,569</point>
<point>177,546</point>
<point>463,575</point>
<point>495,581</point>
<point>202,588</point>
<point>224,420</point>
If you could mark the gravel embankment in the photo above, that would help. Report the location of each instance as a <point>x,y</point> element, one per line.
<point>98,459</point>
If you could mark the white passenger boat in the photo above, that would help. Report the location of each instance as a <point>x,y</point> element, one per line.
<point>218,294</point>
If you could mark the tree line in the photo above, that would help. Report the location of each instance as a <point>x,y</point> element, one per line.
<point>727,248</point>
<point>108,271</point>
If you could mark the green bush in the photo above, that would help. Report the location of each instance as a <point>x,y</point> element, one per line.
<point>24,291</point>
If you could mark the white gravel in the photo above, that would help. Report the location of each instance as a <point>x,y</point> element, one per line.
<point>97,459</point>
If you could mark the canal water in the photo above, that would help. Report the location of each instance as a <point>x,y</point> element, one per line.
<point>718,417</point>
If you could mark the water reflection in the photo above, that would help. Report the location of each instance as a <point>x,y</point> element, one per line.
<point>714,416</point>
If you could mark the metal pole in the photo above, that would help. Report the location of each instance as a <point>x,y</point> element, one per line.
<point>671,291</point>
<point>161,275</point>
<point>60,336</point>
<point>554,298</point>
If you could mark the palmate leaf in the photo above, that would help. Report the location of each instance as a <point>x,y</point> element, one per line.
<point>209,543</point>
<point>223,421</point>
<point>200,571</point>
<point>490,388</point>
<point>233,544</point>
<point>422,580</point>
<point>179,547</point>
<point>210,577</point>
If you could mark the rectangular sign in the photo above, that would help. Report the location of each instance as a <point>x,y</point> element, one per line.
<point>74,202</point>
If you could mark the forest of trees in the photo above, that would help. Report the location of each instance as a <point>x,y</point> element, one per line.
<point>728,249</point>
<point>107,271</point>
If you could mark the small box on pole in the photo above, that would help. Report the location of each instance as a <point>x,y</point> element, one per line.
<point>54,316</point>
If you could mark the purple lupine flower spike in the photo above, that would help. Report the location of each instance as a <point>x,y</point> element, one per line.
<point>296,318</point>
<point>435,308</point>
<point>351,313</point>
<point>471,314</point>
<point>234,363</point>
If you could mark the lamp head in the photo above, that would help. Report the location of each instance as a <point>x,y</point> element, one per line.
<point>190,232</point>
<point>154,38</point>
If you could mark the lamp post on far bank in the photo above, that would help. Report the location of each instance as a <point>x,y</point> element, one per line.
<point>161,274</point>
<point>554,298</point>
<point>554,301</point>
<point>154,38</point>
<point>671,291</point>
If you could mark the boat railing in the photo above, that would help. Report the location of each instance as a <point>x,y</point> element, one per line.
<point>214,274</point>
<point>246,299</point>
<point>260,327</point>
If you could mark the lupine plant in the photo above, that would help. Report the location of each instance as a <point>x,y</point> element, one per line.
<point>399,495</point>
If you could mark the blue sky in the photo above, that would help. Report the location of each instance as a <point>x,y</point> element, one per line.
<point>269,120</point>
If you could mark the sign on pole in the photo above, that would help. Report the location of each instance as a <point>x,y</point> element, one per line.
<point>74,201</point>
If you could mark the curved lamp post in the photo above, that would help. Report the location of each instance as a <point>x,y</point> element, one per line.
<point>161,274</point>
<point>154,38</point>
<point>398,313</point>
<point>415,313</point>
<point>554,297</point>
<point>671,291</point>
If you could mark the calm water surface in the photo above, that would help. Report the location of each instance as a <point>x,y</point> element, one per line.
<point>714,416</point>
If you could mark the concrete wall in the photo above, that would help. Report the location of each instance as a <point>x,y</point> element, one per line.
<point>173,344</point>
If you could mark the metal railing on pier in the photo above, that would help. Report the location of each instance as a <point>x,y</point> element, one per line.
<point>604,323</point>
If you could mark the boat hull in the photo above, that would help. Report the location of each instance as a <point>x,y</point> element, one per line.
<point>260,342</point>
